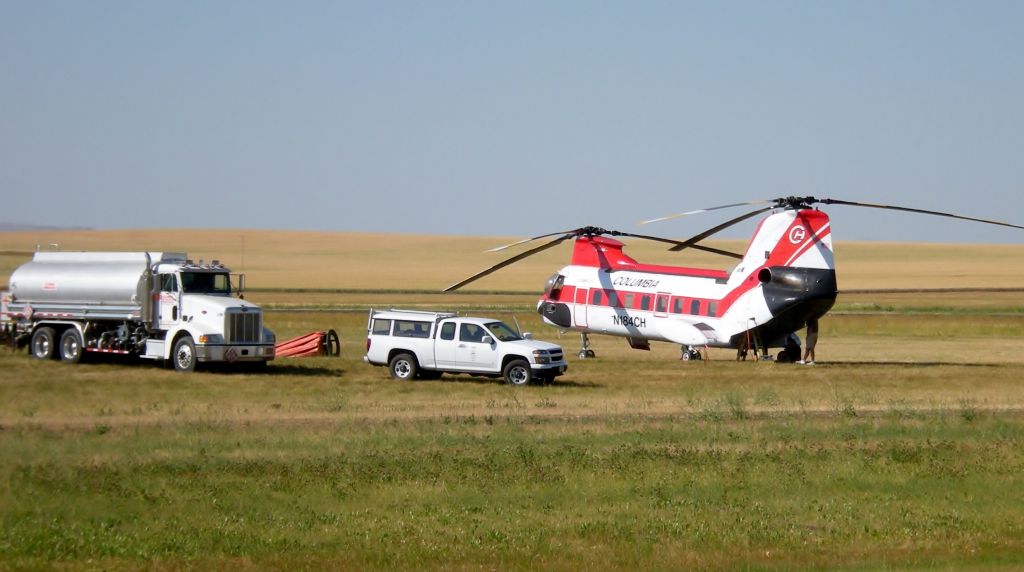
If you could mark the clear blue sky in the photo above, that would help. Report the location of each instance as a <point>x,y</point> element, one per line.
<point>513,118</point>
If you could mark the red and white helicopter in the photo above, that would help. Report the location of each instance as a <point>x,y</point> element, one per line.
<point>786,278</point>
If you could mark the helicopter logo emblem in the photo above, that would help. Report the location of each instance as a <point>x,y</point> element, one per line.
<point>797,234</point>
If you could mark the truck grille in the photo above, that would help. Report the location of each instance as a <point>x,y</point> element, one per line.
<point>242,327</point>
<point>556,355</point>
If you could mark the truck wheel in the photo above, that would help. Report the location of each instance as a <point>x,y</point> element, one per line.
<point>403,366</point>
<point>518,372</point>
<point>71,346</point>
<point>184,356</point>
<point>44,342</point>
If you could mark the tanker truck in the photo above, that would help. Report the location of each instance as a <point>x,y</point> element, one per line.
<point>153,305</point>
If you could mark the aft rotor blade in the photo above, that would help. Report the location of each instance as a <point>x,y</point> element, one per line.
<point>680,243</point>
<point>920,211</point>
<point>698,211</point>
<point>509,261</point>
<point>692,241</point>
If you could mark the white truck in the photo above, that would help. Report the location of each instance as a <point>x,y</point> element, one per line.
<point>426,344</point>
<point>154,305</point>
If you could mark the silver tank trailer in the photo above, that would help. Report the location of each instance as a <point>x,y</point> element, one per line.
<point>90,278</point>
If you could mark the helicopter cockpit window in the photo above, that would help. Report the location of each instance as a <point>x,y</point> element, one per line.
<point>554,286</point>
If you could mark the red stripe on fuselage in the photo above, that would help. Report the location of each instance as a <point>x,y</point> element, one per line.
<point>606,253</point>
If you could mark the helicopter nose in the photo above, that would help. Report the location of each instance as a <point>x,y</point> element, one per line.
<point>556,313</point>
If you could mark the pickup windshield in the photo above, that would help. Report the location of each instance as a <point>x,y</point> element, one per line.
<point>502,332</point>
<point>206,282</point>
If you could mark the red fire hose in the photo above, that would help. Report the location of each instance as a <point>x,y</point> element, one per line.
<point>309,345</point>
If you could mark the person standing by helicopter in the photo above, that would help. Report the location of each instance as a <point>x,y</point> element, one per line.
<point>810,342</point>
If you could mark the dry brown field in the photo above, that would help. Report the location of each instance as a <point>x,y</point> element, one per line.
<point>400,262</point>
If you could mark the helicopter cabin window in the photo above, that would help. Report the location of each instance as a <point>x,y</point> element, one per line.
<point>627,301</point>
<point>596,298</point>
<point>713,309</point>
<point>645,302</point>
<point>412,329</point>
<point>613,298</point>
<point>661,304</point>
<point>695,307</point>
<point>677,305</point>
<point>381,327</point>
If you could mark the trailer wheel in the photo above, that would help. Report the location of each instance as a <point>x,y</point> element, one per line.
<point>44,343</point>
<point>184,356</point>
<point>518,372</point>
<point>403,366</point>
<point>71,349</point>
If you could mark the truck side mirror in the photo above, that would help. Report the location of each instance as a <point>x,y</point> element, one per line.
<point>487,340</point>
<point>527,336</point>
<point>241,285</point>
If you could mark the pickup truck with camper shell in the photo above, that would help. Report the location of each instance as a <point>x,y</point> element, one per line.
<point>153,305</point>
<point>415,344</point>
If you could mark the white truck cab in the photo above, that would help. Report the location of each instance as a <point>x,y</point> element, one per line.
<point>426,344</point>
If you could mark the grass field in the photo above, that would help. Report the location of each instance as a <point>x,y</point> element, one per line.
<point>903,449</point>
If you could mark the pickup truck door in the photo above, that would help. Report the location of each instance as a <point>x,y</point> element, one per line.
<point>472,353</point>
<point>445,345</point>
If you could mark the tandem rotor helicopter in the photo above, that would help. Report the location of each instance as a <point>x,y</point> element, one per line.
<point>785,278</point>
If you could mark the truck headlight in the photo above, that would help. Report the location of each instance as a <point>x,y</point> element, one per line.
<point>541,356</point>
<point>268,336</point>
<point>211,339</point>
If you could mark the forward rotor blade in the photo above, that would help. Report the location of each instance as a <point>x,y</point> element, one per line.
<point>680,243</point>
<point>509,261</point>
<point>692,241</point>
<point>698,211</point>
<point>525,240</point>
<point>920,211</point>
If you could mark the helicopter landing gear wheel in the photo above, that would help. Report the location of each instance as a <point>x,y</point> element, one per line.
<point>585,351</point>
<point>690,354</point>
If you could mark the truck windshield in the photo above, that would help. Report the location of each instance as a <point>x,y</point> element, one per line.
<point>502,332</point>
<point>206,282</point>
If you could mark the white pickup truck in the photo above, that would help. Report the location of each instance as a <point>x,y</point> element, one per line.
<point>426,344</point>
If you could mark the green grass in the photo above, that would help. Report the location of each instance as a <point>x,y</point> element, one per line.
<point>797,491</point>
<point>903,449</point>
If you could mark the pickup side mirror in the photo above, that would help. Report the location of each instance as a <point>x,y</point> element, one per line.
<point>487,340</point>
<point>527,336</point>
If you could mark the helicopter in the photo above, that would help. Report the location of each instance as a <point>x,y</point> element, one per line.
<point>785,279</point>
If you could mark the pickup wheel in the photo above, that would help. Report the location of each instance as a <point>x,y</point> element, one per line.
<point>44,343</point>
<point>518,372</point>
<point>184,355</point>
<point>71,346</point>
<point>403,366</point>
